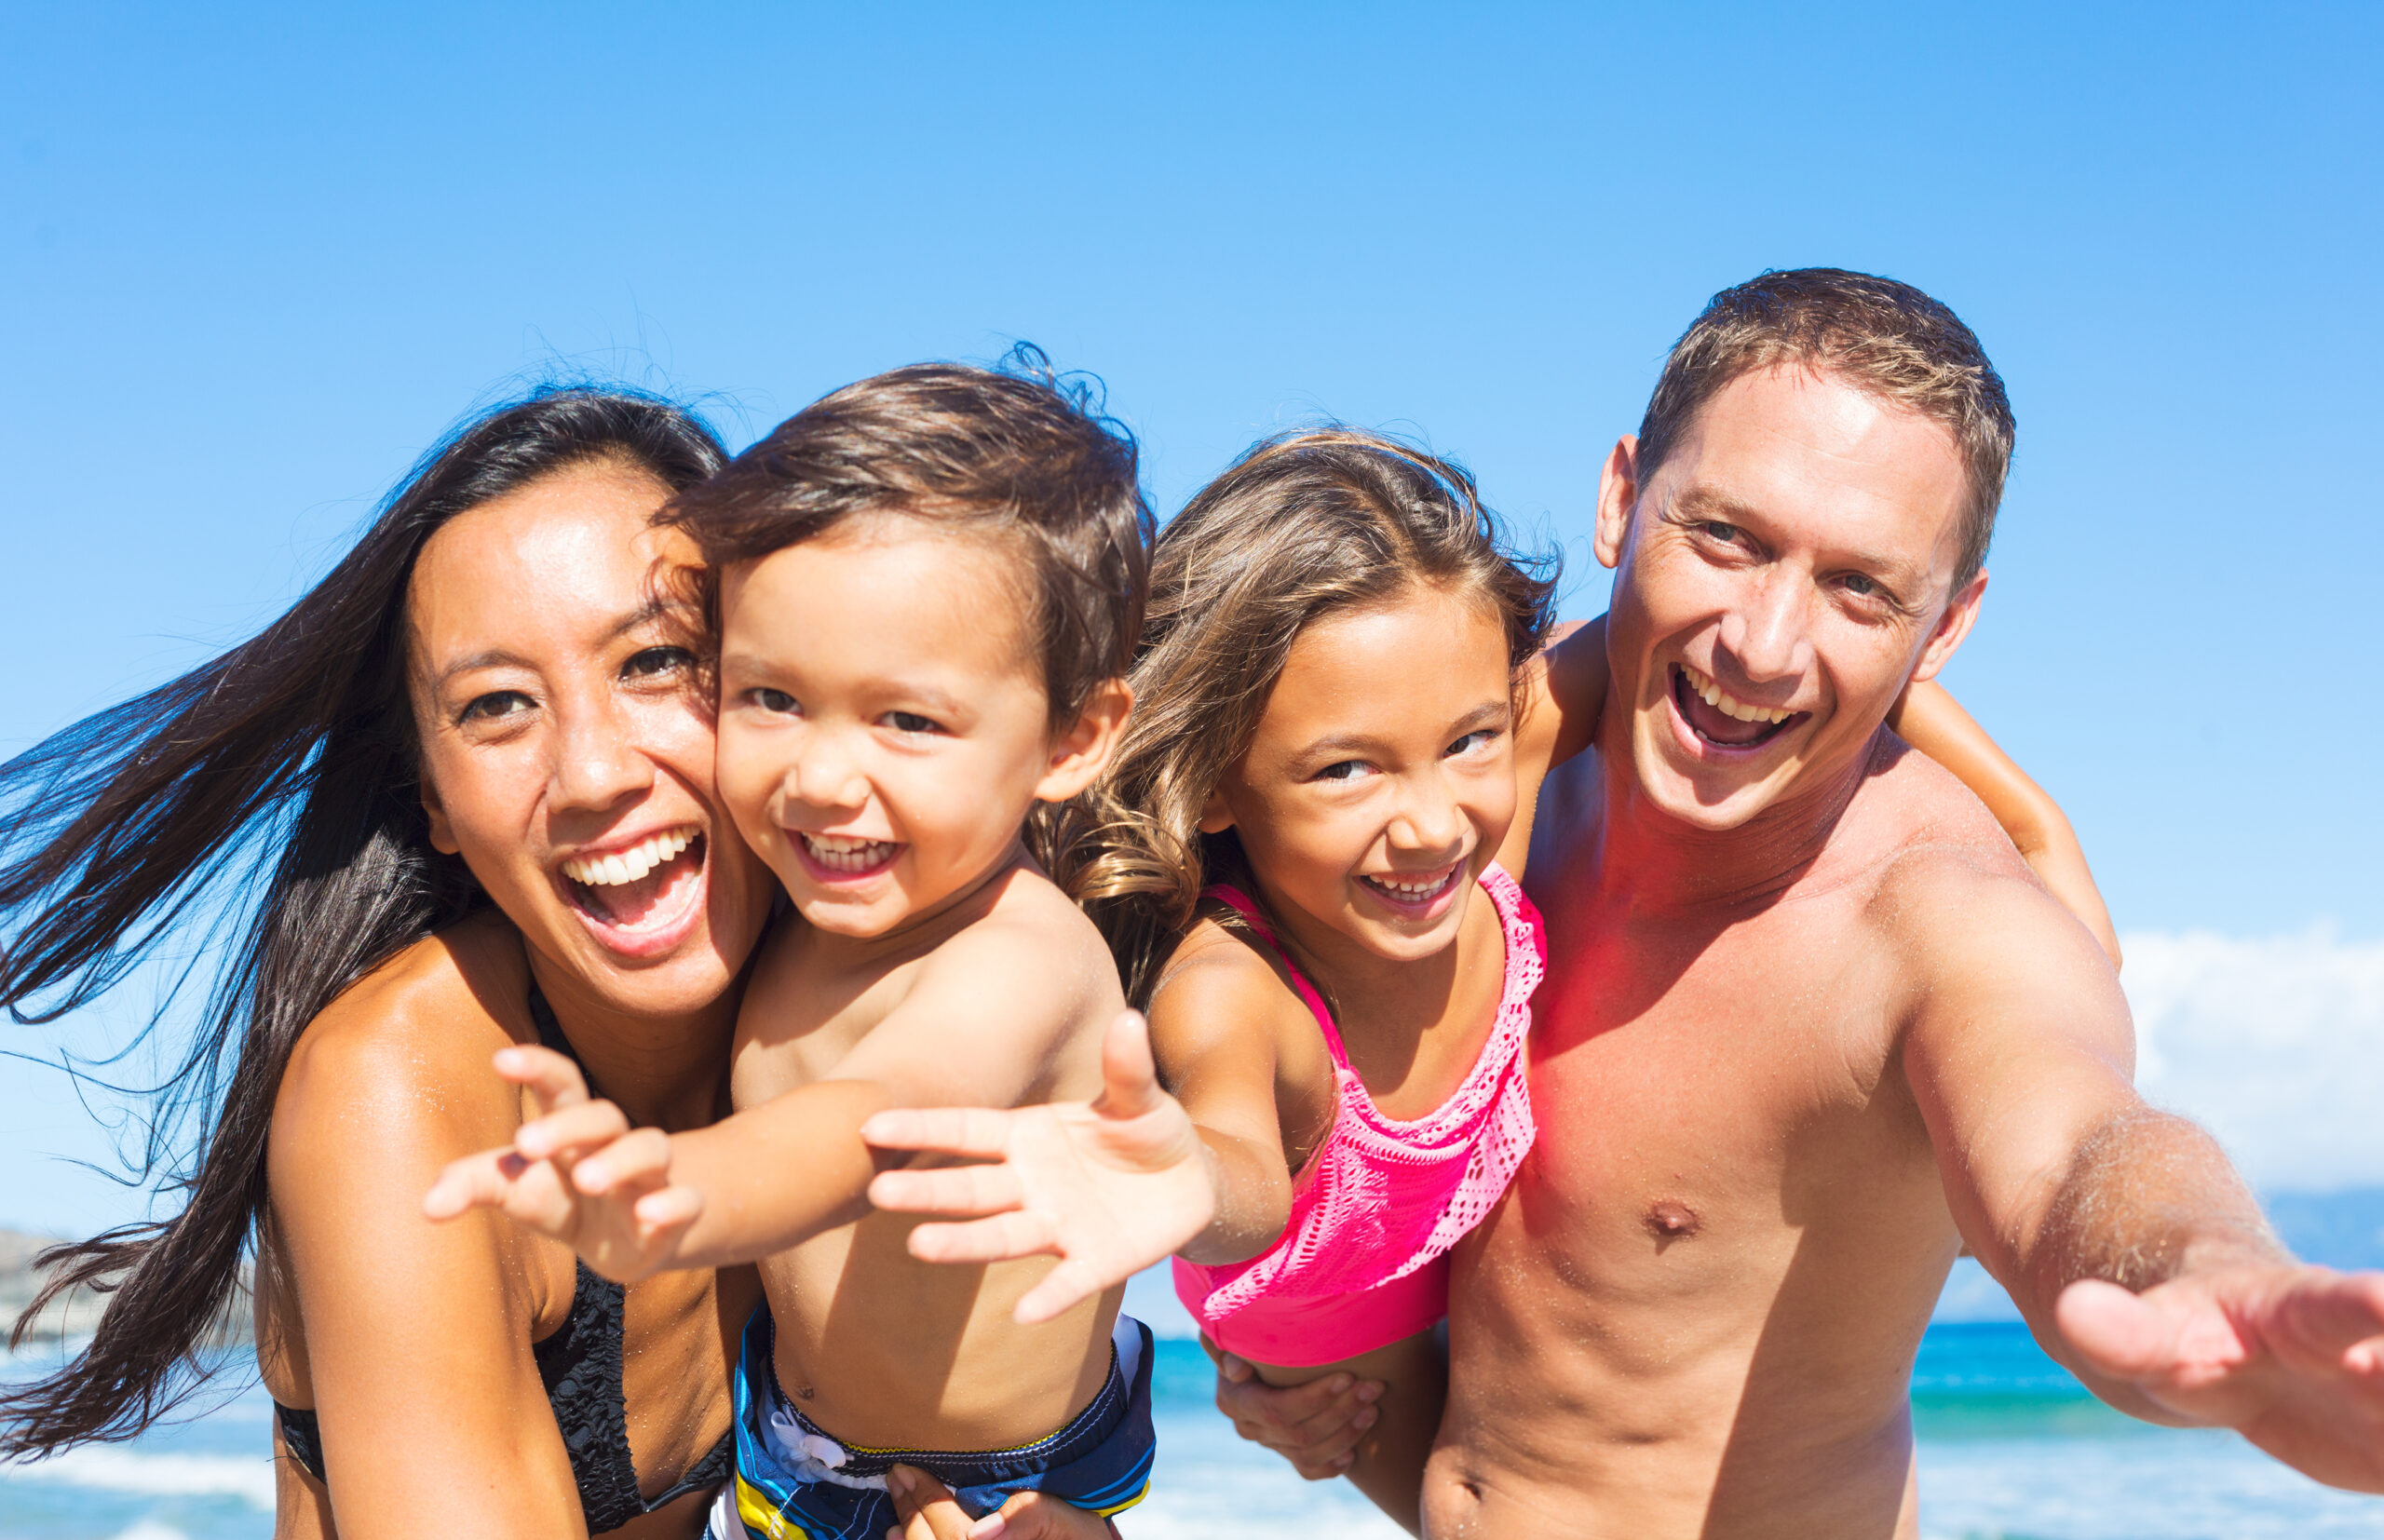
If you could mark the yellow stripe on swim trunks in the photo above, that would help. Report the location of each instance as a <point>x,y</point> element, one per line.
<point>762,1516</point>
<point>1112,1513</point>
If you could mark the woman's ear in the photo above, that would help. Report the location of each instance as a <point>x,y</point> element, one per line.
<point>442,833</point>
<point>1081,754</point>
<point>1216,817</point>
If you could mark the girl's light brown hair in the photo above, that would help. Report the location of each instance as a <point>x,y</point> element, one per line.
<point>1305,525</point>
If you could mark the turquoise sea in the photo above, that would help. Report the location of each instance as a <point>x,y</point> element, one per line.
<point>2011,1446</point>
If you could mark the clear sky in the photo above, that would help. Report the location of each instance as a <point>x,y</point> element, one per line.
<point>252,262</point>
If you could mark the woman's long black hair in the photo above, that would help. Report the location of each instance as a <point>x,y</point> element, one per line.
<point>261,809</point>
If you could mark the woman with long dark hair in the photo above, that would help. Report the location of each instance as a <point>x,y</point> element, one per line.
<point>458,797</point>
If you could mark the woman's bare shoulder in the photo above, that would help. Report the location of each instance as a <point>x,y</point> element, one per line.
<point>408,1045</point>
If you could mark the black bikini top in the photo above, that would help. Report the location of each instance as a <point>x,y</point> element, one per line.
<point>581,1365</point>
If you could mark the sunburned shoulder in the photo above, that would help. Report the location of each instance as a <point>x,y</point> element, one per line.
<point>408,1045</point>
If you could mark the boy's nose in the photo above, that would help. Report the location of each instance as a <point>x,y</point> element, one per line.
<point>823,775</point>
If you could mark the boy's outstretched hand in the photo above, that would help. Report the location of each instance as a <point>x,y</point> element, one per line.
<point>577,1172</point>
<point>1107,1186</point>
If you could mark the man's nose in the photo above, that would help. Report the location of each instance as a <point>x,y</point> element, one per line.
<point>1766,634</point>
<point>597,764</point>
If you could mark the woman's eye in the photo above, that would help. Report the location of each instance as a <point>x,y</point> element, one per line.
<point>1344,770</point>
<point>910,722</point>
<point>771,700</point>
<point>495,705</point>
<point>1479,738</point>
<point>650,661</point>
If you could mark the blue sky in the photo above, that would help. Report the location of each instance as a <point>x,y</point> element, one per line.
<point>252,262</point>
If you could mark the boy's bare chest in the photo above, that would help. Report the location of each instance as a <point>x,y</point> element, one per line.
<point>799,1018</point>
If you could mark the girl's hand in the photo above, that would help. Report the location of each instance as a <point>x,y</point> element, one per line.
<point>1107,1186</point>
<point>928,1512</point>
<point>577,1172</point>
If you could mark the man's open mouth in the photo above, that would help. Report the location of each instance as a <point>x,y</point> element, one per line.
<point>642,889</point>
<point>842,858</point>
<point>1720,718</point>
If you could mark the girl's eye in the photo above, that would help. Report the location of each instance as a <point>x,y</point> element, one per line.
<point>650,661</point>
<point>1479,738</point>
<point>1344,770</point>
<point>493,706</point>
<point>771,700</point>
<point>910,722</point>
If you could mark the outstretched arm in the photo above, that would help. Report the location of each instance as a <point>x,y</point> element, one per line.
<point>2136,1252</point>
<point>1932,720</point>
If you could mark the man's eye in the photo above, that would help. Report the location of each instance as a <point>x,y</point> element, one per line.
<point>493,706</point>
<point>910,722</point>
<point>771,700</point>
<point>1857,583</point>
<point>650,661</point>
<point>1713,529</point>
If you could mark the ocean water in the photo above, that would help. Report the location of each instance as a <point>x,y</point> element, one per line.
<point>2012,1448</point>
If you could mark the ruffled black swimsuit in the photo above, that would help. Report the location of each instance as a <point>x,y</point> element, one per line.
<point>581,1365</point>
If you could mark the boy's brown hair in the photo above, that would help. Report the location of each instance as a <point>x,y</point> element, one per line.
<point>1881,336</point>
<point>1015,452</point>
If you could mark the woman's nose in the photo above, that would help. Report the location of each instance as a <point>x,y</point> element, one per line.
<point>596,763</point>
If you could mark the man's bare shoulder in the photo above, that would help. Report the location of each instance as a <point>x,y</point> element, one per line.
<point>405,1051</point>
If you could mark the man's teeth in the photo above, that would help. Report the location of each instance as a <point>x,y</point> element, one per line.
<point>839,854</point>
<point>1729,703</point>
<point>628,866</point>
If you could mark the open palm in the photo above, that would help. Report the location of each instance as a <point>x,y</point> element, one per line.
<point>1108,1186</point>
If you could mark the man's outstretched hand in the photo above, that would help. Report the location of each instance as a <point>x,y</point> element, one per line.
<point>1108,1186</point>
<point>2290,1357</point>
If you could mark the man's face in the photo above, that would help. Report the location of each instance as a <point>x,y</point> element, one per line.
<point>1782,577</point>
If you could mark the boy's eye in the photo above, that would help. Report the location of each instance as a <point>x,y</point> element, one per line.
<point>910,722</point>
<point>771,700</point>
<point>493,706</point>
<point>1479,738</point>
<point>650,661</point>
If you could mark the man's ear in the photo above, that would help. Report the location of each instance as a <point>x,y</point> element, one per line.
<point>442,833</point>
<point>1960,614</point>
<point>1617,493</point>
<point>1084,751</point>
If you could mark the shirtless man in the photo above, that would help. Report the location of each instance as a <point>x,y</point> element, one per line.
<point>1810,1026</point>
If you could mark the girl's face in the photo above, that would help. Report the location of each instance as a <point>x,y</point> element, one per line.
<point>566,748</point>
<point>884,726</point>
<point>1381,778</point>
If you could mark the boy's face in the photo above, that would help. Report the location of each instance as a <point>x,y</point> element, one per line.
<point>1381,778</point>
<point>883,726</point>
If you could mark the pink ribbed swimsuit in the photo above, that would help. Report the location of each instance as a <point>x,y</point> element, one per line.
<point>1363,1261</point>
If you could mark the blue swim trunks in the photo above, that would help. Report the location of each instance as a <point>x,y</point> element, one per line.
<point>794,1481</point>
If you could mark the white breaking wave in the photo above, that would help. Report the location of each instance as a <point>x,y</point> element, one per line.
<point>248,1476</point>
<point>2276,1043</point>
<point>151,1530</point>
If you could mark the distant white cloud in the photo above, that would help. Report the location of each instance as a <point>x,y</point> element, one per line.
<point>2276,1045</point>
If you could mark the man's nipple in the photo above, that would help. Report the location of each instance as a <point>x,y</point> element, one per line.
<point>1669,1220</point>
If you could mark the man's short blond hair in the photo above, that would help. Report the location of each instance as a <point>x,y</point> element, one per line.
<point>1881,336</point>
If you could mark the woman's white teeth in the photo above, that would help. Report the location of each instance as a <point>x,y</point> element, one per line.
<point>628,866</point>
<point>838,854</point>
<point>1729,703</point>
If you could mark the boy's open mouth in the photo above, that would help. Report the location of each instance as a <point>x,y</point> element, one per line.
<point>1415,892</point>
<point>840,858</point>
<point>1720,718</point>
<point>639,892</point>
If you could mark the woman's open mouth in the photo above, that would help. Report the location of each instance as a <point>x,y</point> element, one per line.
<point>1415,895</point>
<point>641,898</point>
<point>1721,719</point>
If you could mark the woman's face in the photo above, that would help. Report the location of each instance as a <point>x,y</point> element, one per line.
<point>567,747</point>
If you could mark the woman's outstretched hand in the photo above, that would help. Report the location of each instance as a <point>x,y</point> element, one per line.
<point>928,1512</point>
<point>1108,1186</point>
<point>577,1172</point>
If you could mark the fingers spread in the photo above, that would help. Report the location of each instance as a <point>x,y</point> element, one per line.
<point>1000,1239</point>
<point>475,1182</point>
<point>948,1190</point>
<point>1129,1078</point>
<point>638,1158</point>
<point>980,1131</point>
<point>580,1129</point>
<point>550,1076</point>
